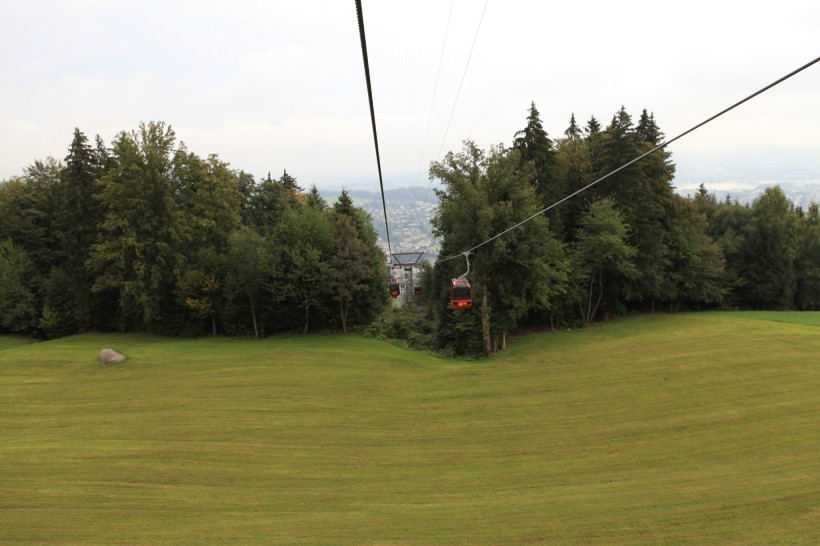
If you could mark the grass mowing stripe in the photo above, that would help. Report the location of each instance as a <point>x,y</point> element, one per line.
<point>677,429</point>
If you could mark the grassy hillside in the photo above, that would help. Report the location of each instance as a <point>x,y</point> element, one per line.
<point>689,429</point>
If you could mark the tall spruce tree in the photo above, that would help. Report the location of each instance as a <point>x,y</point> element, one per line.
<point>535,146</point>
<point>574,167</point>
<point>76,223</point>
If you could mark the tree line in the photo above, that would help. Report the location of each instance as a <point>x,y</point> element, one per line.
<point>145,235</point>
<point>628,243</point>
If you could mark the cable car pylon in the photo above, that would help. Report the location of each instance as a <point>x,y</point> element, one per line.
<point>410,261</point>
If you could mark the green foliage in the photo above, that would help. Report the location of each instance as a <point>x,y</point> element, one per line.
<point>485,193</point>
<point>770,249</point>
<point>139,242</point>
<point>697,267</point>
<point>601,259</point>
<point>807,261</point>
<point>148,235</point>
<point>19,290</point>
<point>248,264</point>
<point>411,325</point>
<point>535,146</point>
<point>303,247</point>
<point>58,318</point>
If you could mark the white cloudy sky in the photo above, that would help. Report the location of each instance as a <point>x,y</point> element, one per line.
<point>279,84</point>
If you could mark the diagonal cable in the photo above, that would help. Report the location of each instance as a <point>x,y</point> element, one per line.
<point>373,120</point>
<point>625,165</point>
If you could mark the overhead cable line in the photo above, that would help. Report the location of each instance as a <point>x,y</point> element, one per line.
<point>463,76</point>
<point>373,120</point>
<point>625,165</point>
<point>458,93</point>
<point>433,102</point>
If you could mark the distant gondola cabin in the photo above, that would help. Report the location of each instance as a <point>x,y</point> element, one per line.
<point>395,289</point>
<point>462,295</point>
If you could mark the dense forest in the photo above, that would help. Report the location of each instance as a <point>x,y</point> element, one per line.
<point>144,235</point>
<point>628,243</point>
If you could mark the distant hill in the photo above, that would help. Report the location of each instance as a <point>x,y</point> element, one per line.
<point>800,193</point>
<point>744,167</point>
<point>743,174</point>
<point>409,209</point>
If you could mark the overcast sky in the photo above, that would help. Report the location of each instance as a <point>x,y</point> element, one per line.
<point>279,84</point>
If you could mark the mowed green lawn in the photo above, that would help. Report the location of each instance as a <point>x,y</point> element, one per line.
<point>673,429</point>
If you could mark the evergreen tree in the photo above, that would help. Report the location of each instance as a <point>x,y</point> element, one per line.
<point>368,296</point>
<point>534,145</point>
<point>697,273</point>
<point>769,252</point>
<point>574,167</point>
<point>76,221</point>
<point>19,290</point>
<point>573,132</point>
<point>269,203</point>
<point>728,228</point>
<point>350,274</point>
<point>807,261</point>
<point>58,317</point>
<point>643,192</point>
<point>314,199</point>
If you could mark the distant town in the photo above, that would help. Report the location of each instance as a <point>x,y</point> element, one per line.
<point>409,209</point>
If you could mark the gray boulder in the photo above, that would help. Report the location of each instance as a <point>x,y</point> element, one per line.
<point>111,356</point>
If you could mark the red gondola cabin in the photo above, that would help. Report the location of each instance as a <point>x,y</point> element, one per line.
<point>417,290</point>
<point>395,290</point>
<point>461,296</point>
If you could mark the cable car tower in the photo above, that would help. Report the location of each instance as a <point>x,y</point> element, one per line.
<point>409,261</point>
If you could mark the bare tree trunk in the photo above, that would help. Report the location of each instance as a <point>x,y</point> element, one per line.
<point>600,296</point>
<point>213,325</point>
<point>343,315</point>
<point>307,317</point>
<point>485,318</point>
<point>503,340</point>
<point>253,316</point>
<point>588,313</point>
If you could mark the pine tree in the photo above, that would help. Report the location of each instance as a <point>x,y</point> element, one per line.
<point>19,290</point>
<point>76,222</point>
<point>574,167</point>
<point>534,145</point>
